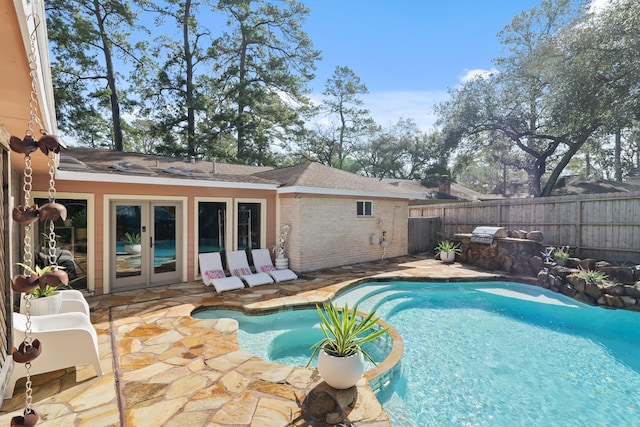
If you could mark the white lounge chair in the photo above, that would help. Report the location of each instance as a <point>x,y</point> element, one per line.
<point>262,262</point>
<point>239,266</point>
<point>213,273</point>
<point>67,339</point>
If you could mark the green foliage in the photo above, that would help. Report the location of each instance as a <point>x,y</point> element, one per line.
<point>346,123</point>
<point>567,76</point>
<point>561,254</point>
<point>46,290</point>
<point>43,292</point>
<point>86,39</point>
<point>400,151</point>
<point>345,331</point>
<point>591,276</point>
<point>133,238</point>
<point>447,246</point>
<point>79,219</point>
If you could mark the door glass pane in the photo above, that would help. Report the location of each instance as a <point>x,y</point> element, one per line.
<point>128,241</point>
<point>211,226</point>
<point>164,246</point>
<point>248,226</point>
<point>71,241</point>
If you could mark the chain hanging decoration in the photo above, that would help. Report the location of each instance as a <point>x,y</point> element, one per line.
<point>28,213</point>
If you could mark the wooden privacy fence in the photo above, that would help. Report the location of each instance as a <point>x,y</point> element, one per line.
<point>423,234</point>
<point>600,226</point>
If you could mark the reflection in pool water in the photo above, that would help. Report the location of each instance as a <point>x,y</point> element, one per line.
<point>491,353</point>
<point>164,252</point>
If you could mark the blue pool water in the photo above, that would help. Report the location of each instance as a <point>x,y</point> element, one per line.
<point>483,354</point>
<point>163,251</point>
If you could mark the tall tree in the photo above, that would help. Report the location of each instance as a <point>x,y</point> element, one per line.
<point>86,39</point>
<point>343,122</point>
<point>558,87</point>
<point>174,91</point>
<point>400,151</point>
<point>263,64</point>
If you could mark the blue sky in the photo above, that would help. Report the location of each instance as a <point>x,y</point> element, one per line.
<point>407,52</point>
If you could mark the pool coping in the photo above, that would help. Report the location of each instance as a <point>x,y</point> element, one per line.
<point>385,371</point>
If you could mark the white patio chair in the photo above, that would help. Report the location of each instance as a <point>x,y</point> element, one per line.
<point>239,266</point>
<point>262,262</point>
<point>213,273</point>
<point>67,340</point>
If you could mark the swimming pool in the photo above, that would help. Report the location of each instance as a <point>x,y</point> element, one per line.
<point>488,353</point>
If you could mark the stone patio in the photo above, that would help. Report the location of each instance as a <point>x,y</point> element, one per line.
<point>164,368</point>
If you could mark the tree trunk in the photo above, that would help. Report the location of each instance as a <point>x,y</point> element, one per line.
<point>111,80</point>
<point>242,72</point>
<point>189,95</point>
<point>617,163</point>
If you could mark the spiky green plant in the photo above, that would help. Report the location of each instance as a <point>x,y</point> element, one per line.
<point>345,331</point>
<point>592,277</point>
<point>447,246</point>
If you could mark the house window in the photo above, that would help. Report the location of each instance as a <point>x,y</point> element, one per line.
<point>71,240</point>
<point>212,226</point>
<point>363,208</point>
<point>249,226</point>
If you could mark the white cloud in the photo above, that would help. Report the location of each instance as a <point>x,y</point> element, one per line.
<point>598,5</point>
<point>477,73</point>
<point>387,108</point>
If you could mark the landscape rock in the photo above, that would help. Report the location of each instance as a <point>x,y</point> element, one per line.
<point>535,235</point>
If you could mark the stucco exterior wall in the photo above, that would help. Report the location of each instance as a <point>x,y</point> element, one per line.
<point>326,232</point>
<point>156,192</point>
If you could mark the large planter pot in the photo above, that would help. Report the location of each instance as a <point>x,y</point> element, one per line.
<point>282,263</point>
<point>340,372</point>
<point>133,249</point>
<point>448,257</point>
<point>46,305</point>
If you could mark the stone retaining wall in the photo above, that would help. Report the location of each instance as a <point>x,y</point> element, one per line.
<point>621,289</point>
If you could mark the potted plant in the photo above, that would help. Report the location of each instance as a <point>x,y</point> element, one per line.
<point>133,244</point>
<point>44,297</point>
<point>340,353</point>
<point>561,255</point>
<point>446,250</point>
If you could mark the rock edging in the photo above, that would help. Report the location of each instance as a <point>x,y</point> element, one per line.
<point>621,289</point>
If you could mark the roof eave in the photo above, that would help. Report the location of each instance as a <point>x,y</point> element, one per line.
<point>342,192</point>
<point>156,180</point>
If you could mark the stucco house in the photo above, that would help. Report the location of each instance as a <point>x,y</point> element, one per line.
<point>175,208</point>
<point>181,207</point>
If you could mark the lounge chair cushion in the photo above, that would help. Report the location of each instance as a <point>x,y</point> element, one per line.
<point>262,262</point>
<point>214,274</point>
<point>241,272</point>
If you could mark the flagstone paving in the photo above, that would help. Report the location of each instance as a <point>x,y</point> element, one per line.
<point>164,368</point>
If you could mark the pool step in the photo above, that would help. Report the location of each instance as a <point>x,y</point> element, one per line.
<point>398,413</point>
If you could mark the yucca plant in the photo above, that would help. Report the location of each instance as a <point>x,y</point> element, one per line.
<point>345,331</point>
<point>447,246</point>
<point>592,277</point>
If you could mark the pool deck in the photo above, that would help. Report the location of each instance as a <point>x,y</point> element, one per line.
<point>164,368</point>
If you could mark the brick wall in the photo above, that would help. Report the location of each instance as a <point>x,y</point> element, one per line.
<point>326,232</point>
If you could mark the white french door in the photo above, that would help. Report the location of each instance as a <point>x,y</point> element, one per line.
<point>145,243</point>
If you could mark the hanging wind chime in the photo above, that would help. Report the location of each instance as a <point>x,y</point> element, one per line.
<point>26,215</point>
